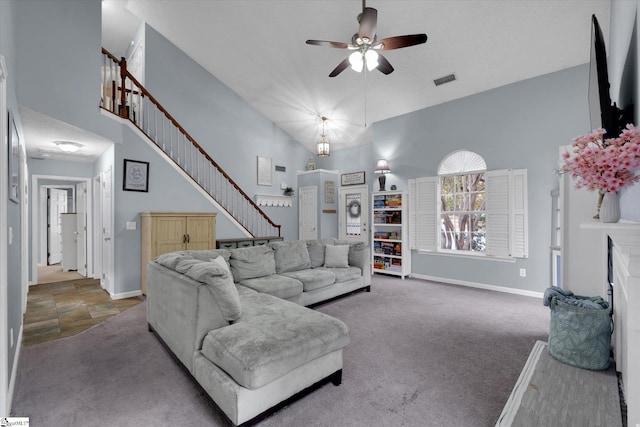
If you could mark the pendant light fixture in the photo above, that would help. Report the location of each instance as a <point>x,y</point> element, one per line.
<point>322,148</point>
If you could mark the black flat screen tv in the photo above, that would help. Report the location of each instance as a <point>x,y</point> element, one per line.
<point>602,112</point>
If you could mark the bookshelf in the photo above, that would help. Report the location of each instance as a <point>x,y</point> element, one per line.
<point>390,245</point>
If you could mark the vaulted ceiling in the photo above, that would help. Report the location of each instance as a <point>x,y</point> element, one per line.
<point>257,48</point>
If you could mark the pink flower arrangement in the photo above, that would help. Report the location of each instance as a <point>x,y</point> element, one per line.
<point>605,164</point>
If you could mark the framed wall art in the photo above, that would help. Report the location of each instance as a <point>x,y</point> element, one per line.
<point>14,161</point>
<point>264,171</point>
<point>353,178</point>
<point>136,176</point>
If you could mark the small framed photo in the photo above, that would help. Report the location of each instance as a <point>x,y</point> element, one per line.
<point>353,178</point>
<point>136,176</point>
<point>14,162</point>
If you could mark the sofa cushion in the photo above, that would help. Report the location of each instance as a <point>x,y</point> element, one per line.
<point>342,274</point>
<point>273,338</point>
<point>316,251</point>
<point>336,256</point>
<point>208,254</point>
<point>356,250</point>
<point>219,283</point>
<point>312,279</point>
<point>171,259</point>
<point>276,285</point>
<point>291,255</point>
<point>255,261</point>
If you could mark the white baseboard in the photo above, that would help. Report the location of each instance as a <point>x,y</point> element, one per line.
<point>14,371</point>
<point>126,295</point>
<point>479,285</point>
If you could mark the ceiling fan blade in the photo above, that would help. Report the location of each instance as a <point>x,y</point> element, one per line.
<point>398,42</point>
<point>368,20</point>
<point>384,66</point>
<point>340,68</point>
<point>337,45</point>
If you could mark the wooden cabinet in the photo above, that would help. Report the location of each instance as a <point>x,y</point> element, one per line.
<point>390,246</point>
<point>164,232</point>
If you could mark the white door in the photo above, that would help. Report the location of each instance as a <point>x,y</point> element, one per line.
<point>106,230</point>
<point>308,213</point>
<point>97,227</point>
<point>81,210</point>
<point>57,205</point>
<point>353,222</point>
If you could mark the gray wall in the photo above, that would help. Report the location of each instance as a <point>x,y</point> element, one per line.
<point>14,221</point>
<point>228,128</point>
<point>520,125</point>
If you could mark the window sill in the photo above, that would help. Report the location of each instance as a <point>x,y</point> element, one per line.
<point>468,256</point>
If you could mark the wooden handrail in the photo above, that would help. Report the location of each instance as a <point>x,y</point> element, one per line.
<point>125,74</point>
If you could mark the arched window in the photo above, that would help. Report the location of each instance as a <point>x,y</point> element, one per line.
<point>469,210</point>
<point>462,202</point>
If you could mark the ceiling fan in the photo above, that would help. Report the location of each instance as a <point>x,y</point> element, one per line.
<point>366,45</point>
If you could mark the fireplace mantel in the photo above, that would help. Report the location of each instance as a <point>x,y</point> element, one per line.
<point>625,236</point>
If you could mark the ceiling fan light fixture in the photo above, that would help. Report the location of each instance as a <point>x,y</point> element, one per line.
<point>68,146</point>
<point>356,60</point>
<point>371,58</point>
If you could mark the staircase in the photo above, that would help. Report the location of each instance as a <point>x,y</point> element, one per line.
<point>125,97</point>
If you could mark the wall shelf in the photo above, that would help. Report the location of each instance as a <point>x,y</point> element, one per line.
<point>274,200</point>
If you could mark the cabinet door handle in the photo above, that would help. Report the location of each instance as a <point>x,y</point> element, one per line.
<point>184,238</point>
<point>188,238</point>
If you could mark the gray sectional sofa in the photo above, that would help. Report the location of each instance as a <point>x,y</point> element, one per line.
<point>236,318</point>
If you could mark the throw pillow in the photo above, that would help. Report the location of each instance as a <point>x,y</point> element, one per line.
<point>221,263</point>
<point>336,256</point>
<point>221,286</point>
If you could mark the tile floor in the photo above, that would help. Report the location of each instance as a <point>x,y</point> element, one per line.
<point>62,309</point>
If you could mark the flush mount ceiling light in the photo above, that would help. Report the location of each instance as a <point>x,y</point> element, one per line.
<point>323,148</point>
<point>68,146</point>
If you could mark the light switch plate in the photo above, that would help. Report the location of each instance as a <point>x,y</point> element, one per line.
<point>131,225</point>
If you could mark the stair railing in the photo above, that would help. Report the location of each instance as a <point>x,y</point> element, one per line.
<point>125,97</point>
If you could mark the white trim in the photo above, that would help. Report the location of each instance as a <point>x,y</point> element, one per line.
<point>5,397</point>
<point>123,295</point>
<point>467,254</point>
<point>513,404</point>
<point>505,289</point>
<point>14,371</point>
<point>36,211</point>
<point>177,168</point>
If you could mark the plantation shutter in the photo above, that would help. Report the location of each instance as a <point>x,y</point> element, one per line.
<point>412,214</point>
<point>506,213</point>
<point>497,213</point>
<point>426,211</point>
<point>520,236</point>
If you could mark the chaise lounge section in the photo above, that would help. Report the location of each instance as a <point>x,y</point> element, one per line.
<point>236,318</point>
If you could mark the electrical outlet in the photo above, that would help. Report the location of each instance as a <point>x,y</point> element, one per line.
<point>523,272</point>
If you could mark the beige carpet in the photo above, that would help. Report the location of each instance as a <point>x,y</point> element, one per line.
<point>54,273</point>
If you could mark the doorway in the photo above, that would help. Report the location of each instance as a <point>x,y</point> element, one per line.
<point>353,220</point>
<point>43,214</point>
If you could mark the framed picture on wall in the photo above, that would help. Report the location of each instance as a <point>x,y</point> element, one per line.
<point>14,161</point>
<point>264,171</point>
<point>353,178</point>
<point>136,176</point>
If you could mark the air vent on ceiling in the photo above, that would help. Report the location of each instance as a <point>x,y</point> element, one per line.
<point>446,79</point>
